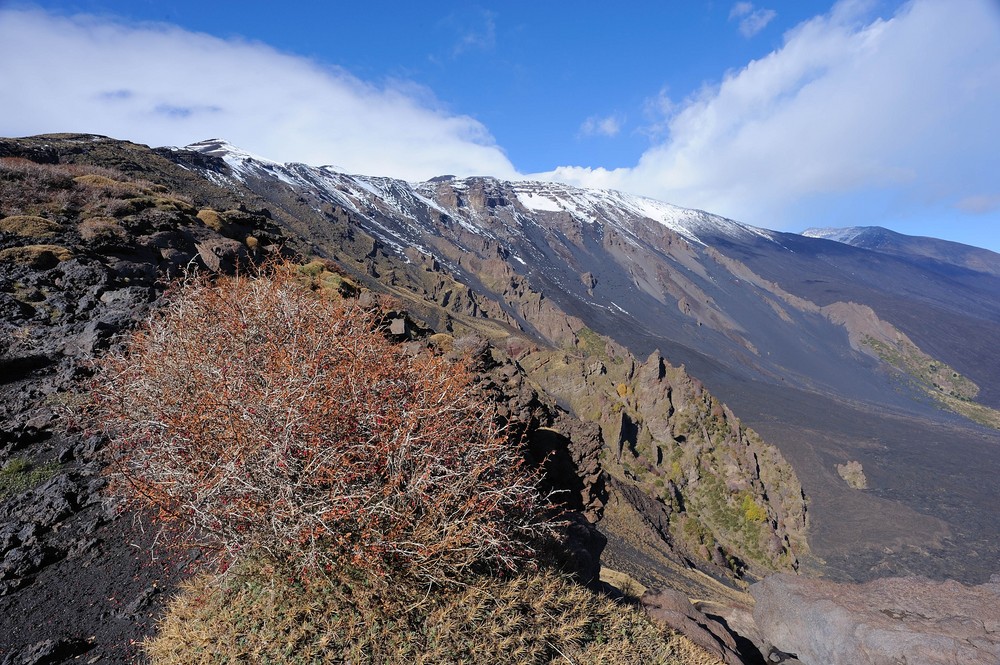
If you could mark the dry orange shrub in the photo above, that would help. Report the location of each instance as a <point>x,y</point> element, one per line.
<point>267,419</point>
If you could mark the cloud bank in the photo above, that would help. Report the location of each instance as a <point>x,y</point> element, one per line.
<point>162,85</point>
<point>850,116</point>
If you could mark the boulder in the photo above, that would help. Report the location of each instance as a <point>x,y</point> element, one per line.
<point>673,610</point>
<point>222,254</point>
<point>887,621</point>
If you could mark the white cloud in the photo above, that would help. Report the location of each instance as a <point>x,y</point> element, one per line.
<point>482,37</point>
<point>848,114</point>
<point>980,204</point>
<point>740,9</point>
<point>752,20</point>
<point>162,85</point>
<point>597,126</point>
<point>657,110</point>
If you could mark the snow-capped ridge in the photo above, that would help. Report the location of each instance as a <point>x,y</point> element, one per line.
<point>591,205</point>
<point>228,152</point>
<point>361,193</point>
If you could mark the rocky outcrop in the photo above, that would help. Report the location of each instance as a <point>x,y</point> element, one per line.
<point>673,610</point>
<point>705,485</point>
<point>567,448</point>
<point>883,622</point>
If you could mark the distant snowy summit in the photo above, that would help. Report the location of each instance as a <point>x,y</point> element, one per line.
<point>883,240</point>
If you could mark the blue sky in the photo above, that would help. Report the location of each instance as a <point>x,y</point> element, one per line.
<point>782,114</point>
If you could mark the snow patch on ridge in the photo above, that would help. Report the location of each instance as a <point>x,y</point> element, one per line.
<point>533,201</point>
<point>591,205</point>
<point>845,235</point>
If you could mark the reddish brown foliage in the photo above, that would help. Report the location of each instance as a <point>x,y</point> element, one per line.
<point>272,420</point>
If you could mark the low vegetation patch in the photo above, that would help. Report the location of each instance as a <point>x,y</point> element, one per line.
<point>259,616</point>
<point>952,390</point>
<point>29,226</point>
<point>853,474</point>
<point>19,475</point>
<point>211,218</point>
<point>933,375</point>
<point>97,230</point>
<point>41,257</point>
<point>974,411</point>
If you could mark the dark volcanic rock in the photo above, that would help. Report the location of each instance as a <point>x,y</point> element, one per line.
<point>567,448</point>
<point>48,652</point>
<point>883,622</point>
<point>222,254</point>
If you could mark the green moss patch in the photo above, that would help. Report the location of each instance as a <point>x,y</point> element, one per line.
<point>19,475</point>
<point>952,390</point>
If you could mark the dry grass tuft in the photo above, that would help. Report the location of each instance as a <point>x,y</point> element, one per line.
<point>101,229</point>
<point>41,257</point>
<point>109,185</point>
<point>211,219</point>
<point>259,616</point>
<point>29,226</point>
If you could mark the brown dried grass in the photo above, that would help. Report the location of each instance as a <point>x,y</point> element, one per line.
<point>29,226</point>
<point>539,618</point>
<point>41,257</point>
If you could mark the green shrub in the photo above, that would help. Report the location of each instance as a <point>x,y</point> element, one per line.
<point>753,511</point>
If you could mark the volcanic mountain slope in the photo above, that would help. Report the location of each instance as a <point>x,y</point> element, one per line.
<point>832,352</point>
<point>858,364</point>
<point>825,349</point>
<point>475,271</point>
